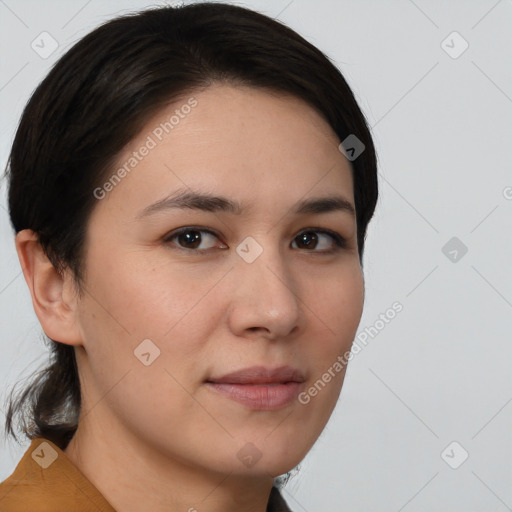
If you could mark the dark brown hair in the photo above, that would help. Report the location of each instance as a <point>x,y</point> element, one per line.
<point>97,98</point>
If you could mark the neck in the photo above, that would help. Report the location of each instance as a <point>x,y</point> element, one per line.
<point>134,476</point>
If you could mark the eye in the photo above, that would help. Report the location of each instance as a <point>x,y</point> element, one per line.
<point>191,238</point>
<point>309,239</point>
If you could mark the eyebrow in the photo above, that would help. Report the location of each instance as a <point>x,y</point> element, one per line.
<point>186,199</point>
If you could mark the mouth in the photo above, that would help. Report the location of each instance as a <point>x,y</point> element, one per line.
<point>260,388</point>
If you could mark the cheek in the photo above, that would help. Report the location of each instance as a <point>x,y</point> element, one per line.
<point>337,313</point>
<point>146,297</point>
<point>129,303</point>
<point>338,305</point>
<point>126,306</point>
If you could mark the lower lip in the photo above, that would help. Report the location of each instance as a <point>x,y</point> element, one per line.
<point>265,397</point>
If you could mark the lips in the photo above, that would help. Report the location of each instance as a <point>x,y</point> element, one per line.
<point>261,375</point>
<point>260,388</point>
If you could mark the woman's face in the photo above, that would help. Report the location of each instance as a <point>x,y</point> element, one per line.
<point>160,321</point>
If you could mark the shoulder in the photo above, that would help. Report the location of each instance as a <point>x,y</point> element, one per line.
<point>46,480</point>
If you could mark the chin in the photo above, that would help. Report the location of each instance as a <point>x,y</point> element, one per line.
<point>255,459</point>
<point>278,459</point>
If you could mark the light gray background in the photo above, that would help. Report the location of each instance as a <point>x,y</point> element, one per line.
<point>440,370</point>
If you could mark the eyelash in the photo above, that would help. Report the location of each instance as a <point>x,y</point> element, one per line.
<point>339,241</point>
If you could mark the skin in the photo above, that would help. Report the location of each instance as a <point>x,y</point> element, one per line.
<point>155,437</point>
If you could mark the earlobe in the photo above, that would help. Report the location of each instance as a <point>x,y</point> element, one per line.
<point>56,312</point>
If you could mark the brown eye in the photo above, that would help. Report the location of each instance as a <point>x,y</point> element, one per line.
<point>309,240</point>
<point>193,239</point>
<point>189,239</point>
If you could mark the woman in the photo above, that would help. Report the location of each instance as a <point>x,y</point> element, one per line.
<point>190,190</point>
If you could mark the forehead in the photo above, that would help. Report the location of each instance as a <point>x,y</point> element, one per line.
<point>242,142</point>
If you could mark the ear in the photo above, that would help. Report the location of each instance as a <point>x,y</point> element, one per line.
<point>53,295</point>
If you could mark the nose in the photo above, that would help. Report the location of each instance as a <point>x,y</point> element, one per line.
<point>265,297</point>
